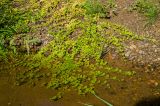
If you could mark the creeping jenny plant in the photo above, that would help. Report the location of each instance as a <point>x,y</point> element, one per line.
<point>74,58</point>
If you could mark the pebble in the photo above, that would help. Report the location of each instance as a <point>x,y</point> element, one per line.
<point>9,104</point>
<point>152,83</point>
<point>132,47</point>
<point>128,54</point>
<point>141,52</point>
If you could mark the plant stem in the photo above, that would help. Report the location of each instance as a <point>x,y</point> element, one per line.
<point>104,101</point>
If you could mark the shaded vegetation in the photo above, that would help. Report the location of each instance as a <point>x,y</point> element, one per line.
<point>149,8</point>
<point>12,21</point>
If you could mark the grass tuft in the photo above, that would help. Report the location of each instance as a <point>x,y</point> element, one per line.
<point>148,8</point>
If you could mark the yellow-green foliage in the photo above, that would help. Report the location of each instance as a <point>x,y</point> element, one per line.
<point>74,58</point>
<point>74,55</point>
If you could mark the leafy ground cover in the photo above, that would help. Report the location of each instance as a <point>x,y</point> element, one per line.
<point>67,41</point>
